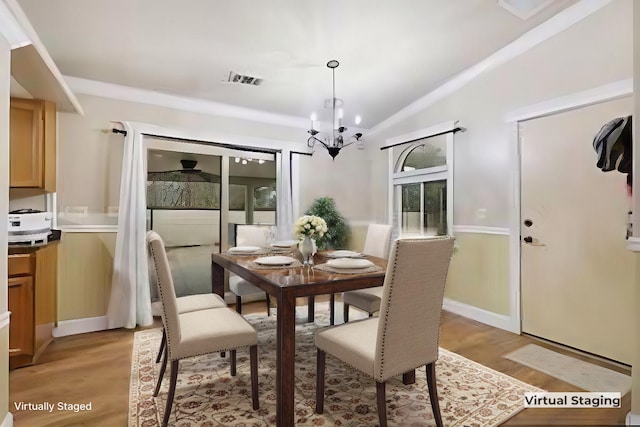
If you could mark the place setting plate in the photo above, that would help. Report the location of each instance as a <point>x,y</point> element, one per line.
<point>284,245</point>
<point>276,261</point>
<point>246,250</point>
<point>349,266</point>
<point>344,254</point>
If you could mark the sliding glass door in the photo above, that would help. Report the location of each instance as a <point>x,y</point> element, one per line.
<point>197,194</point>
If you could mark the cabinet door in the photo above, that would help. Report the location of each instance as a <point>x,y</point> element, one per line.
<point>21,308</point>
<point>26,149</point>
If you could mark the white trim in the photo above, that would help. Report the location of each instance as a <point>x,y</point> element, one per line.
<point>481,229</point>
<point>633,244</point>
<point>80,326</point>
<point>480,315</point>
<point>423,177</point>
<point>632,419</point>
<point>5,318</point>
<point>573,101</point>
<point>553,26</point>
<point>208,149</point>
<point>8,420</point>
<point>213,137</point>
<point>418,172</point>
<point>10,29</point>
<point>421,133</point>
<point>195,105</point>
<point>607,92</point>
<point>515,308</point>
<point>25,25</point>
<point>89,228</point>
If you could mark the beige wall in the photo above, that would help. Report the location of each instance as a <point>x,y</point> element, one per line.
<point>85,268</point>
<point>89,160</point>
<point>5,66</point>
<point>479,272</point>
<point>577,59</point>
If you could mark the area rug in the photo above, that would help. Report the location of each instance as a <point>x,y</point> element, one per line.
<point>581,374</point>
<point>206,395</point>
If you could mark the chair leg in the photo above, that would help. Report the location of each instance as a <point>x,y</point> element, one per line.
<point>346,313</point>
<point>239,304</point>
<point>268,306</point>
<point>253,355</point>
<point>161,374</point>
<point>332,302</point>
<point>382,403</point>
<point>433,393</point>
<point>172,392</point>
<point>232,356</point>
<point>162,344</point>
<point>320,368</point>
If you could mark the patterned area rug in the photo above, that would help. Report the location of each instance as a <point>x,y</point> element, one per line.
<point>206,395</point>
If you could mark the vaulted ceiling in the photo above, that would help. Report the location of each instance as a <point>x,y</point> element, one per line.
<point>391,52</point>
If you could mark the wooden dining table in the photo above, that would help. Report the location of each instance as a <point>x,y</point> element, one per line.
<point>285,285</point>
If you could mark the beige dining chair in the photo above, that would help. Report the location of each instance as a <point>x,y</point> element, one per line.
<point>197,332</point>
<point>375,244</point>
<point>405,336</point>
<point>186,304</point>
<point>248,235</point>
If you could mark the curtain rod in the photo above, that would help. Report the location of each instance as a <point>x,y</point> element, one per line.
<point>454,130</point>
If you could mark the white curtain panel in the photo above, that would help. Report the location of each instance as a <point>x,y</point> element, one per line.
<point>130,300</point>
<point>284,213</point>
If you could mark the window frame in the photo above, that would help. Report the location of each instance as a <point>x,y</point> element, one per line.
<point>418,176</point>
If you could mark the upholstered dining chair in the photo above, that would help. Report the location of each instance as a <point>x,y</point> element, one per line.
<point>248,235</point>
<point>405,335</point>
<point>186,304</point>
<point>375,244</point>
<point>197,332</point>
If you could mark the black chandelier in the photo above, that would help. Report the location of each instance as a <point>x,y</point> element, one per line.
<point>335,141</point>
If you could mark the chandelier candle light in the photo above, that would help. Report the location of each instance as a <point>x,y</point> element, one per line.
<point>334,142</point>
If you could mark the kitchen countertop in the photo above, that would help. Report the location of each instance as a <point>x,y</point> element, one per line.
<point>21,248</point>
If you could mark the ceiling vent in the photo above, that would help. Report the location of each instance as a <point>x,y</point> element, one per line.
<point>524,9</point>
<point>247,80</point>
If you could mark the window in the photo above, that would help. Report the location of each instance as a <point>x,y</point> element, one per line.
<point>422,187</point>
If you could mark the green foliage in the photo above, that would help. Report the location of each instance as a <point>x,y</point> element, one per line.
<point>338,231</point>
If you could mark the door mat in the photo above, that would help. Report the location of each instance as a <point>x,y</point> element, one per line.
<point>582,374</point>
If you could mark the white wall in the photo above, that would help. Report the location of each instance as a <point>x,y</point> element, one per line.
<point>5,66</point>
<point>593,52</point>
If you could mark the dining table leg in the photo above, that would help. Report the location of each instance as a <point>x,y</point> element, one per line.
<point>217,279</point>
<point>311,309</point>
<point>285,359</point>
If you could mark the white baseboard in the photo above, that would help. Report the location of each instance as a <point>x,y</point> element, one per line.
<point>478,314</point>
<point>8,420</point>
<point>80,326</point>
<point>632,419</point>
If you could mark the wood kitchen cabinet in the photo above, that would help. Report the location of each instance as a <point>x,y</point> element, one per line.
<point>32,146</point>
<point>32,302</point>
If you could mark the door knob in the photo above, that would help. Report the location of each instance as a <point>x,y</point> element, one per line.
<point>528,239</point>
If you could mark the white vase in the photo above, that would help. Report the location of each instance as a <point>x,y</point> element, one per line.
<point>306,249</point>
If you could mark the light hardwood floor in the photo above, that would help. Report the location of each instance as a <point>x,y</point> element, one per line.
<point>95,368</point>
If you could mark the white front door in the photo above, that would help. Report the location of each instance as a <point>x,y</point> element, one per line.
<point>577,277</point>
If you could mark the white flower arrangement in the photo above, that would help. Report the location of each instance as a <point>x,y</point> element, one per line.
<point>310,225</point>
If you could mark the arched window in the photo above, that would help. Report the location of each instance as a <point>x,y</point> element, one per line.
<point>422,186</point>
